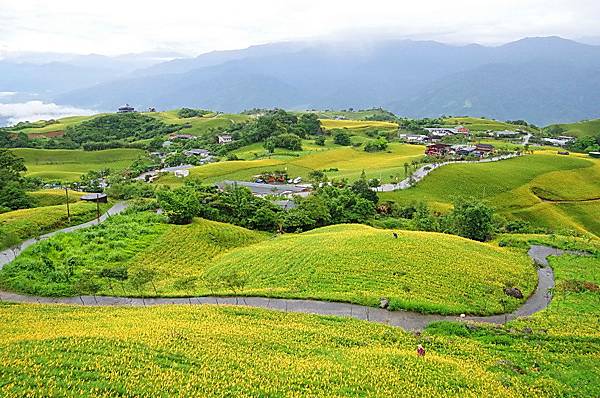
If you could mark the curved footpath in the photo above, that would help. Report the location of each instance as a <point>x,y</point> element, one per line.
<point>405,319</point>
<point>6,256</point>
<point>423,171</point>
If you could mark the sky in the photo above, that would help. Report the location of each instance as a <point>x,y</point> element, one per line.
<point>192,27</point>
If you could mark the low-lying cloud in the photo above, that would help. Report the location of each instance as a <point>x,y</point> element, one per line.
<point>37,110</point>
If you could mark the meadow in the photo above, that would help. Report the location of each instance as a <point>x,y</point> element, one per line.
<point>421,271</point>
<point>69,164</point>
<point>223,351</point>
<point>534,188</point>
<point>29,223</point>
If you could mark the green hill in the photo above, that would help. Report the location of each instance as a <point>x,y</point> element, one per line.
<point>584,128</point>
<point>533,188</point>
<point>70,164</point>
<point>421,271</point>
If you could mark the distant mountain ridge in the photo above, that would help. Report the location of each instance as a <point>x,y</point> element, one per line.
<point>542,80</point>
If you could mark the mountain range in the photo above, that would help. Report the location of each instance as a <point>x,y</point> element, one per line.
<point>543,80</point>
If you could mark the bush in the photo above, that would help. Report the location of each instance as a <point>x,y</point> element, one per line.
<point>342,138</point>
<point>180,205</point>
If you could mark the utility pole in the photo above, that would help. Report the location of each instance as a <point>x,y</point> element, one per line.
<point>98,207</point>
<point>68,210</point>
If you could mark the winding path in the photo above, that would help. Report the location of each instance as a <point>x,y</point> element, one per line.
<point>6,256</point>
<point>423,171</point>
<point>405,319</point>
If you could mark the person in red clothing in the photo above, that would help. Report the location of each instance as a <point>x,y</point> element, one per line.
<point>420,350</point>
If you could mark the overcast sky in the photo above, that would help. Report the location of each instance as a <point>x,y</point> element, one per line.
<point>193,27</point>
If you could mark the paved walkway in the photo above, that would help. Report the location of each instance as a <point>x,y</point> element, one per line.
<point>423,171</point>
<point>6,256</point>
<point>405,319</point>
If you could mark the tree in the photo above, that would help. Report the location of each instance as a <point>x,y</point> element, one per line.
<point>423,219</point>
<point>472,219</point>
<point>309,123</point>
<point>342,138</point>
<point>320,140</point>
<point>180,205</point>
<point>286,141</point>
<point>361,187</point>
<point>12,192</point>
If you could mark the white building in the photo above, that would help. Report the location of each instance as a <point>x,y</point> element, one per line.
<point>225,139</point>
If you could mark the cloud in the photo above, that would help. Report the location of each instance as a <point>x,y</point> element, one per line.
<point>38,110</point>
<point>115,26</point>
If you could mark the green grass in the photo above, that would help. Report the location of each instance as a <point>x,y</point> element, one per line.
<point>60,126</point>
<point>53,197</point>
<point>420,271</point>
<point>481,124</point>
<point>200,125</point>
<point>512,187</point>
<point>584,128</point>
<point>182,350</point>
<point>29,223</point>
<point>70,164</point>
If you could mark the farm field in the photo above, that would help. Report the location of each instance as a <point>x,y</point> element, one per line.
<point>227,350</point>
<point>29,223</point>
<point>69,164</point>
<point>350,263</point>
<point>518,188</point>
<point>357,125</point>
<point>349,162</point>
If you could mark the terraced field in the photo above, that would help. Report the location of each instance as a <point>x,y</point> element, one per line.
<point>69,165</point>
<point>357,125</point>
<point>419,271</point>
<point>529,188</point>
<point>223,351</point>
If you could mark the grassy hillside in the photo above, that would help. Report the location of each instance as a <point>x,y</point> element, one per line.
<point>482,124</point>
<point>69,165</point>
<point>57,128</point>
<point>200,125</point>
<point>132,241</point>
<point>523,188</point>
<point>582,129</point>
<point>53,197</point>
<point>29,223</point>
<point>235,351</point>
<point>422,271</point>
